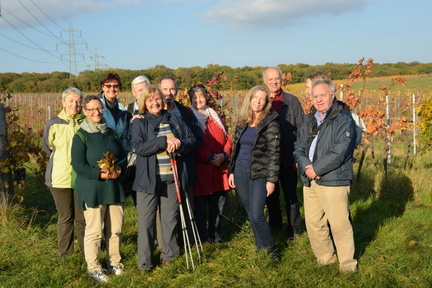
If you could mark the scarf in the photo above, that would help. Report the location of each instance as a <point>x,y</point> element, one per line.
<point>202,118</point>
<point>91,127</point>
<point>111,105</point>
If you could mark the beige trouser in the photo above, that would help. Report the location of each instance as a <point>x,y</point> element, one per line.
<point>327,211</point>
<point>110,218</point>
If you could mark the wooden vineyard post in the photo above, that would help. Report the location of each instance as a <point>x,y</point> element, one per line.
<point>6,180</point>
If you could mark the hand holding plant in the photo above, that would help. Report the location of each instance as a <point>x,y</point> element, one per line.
<point>109,170</point>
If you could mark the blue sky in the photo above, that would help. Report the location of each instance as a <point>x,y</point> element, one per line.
<point>139,34</point>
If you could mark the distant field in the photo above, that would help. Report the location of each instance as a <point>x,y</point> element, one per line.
<point>413,83</point>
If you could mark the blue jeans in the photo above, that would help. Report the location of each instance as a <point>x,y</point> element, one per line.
<point>253,195</point>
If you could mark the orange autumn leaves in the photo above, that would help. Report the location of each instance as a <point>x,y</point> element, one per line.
<point>108,163</point>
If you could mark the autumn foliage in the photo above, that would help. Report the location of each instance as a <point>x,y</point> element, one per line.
<point>24,146</point>
<point>108,164</point>
<point>425,113</point>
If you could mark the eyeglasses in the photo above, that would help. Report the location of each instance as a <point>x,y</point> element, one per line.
<point>109,86</point>
<point>92,110</point>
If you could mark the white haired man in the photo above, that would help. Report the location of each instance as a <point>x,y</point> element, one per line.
<point>138,84</point>
<point>324,153</point>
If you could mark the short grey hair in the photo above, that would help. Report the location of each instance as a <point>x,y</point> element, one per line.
<point>72,90</point>
<point>140,79</point>
<point>328,82</point>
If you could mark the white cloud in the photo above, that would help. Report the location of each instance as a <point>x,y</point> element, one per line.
<point>20,13</point>
<point>267,14</point>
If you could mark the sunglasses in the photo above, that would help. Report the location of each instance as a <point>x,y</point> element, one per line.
<point>109,86</point>
<point>197,86</point>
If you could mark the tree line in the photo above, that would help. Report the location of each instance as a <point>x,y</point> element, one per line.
<point>234,78</point>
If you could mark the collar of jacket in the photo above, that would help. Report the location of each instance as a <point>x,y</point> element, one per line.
<point>272,115</point>
<point>165,115</point>
<point>120,105</point>
<point>334,110</point>
<point>331,113</point>
<point>185,112</point>
<point>77,118</point>
<point>338,102</point>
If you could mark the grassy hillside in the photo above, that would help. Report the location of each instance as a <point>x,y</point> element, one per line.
<point>391,219</point>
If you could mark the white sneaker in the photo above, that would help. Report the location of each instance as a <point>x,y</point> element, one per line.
<point>99,276</point>
<point>117,269</point>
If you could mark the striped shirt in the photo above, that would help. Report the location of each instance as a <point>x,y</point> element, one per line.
<point>163,163</point>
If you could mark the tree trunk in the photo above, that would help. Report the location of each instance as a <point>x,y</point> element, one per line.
<point>6,180</point>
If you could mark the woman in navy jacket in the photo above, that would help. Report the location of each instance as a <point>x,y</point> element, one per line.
<point>153,136</point>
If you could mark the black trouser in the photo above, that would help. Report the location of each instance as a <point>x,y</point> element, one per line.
<point>67,208</point>
<point>288,181</point>
<point>207,211</point>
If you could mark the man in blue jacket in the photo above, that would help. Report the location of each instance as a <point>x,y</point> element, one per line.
<point>324,153</point>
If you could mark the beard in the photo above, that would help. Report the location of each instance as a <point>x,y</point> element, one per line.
<point>169,100</point>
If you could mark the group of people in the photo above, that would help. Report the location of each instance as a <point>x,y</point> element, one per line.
<point>273,139</point>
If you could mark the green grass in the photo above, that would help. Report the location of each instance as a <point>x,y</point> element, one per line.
<point>391,219</point>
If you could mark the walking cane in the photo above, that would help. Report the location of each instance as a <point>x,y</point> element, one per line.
<point>186,241</point>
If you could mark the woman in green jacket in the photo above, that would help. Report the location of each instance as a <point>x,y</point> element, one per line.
<point>57,142</point>
<point>98,159</point>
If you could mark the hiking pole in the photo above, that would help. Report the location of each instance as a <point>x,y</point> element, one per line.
<point>194,226</point>
<point>186,242</point>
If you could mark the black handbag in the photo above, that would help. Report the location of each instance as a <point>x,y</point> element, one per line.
<point>130,173</point>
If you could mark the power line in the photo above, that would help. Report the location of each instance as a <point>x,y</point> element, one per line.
<point>95,56</point>
<point>37,19</point>
<point>72,58</point>
<point>25,58</point>
<point>72,53</point>
<point>61,28</point>
<point>25,23</point>
<point>71,43</point>
<point>37,45</point>
<point>96,64</point>
<point>22,44</point>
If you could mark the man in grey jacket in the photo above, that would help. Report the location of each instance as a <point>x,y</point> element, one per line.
<point>324,153</point>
